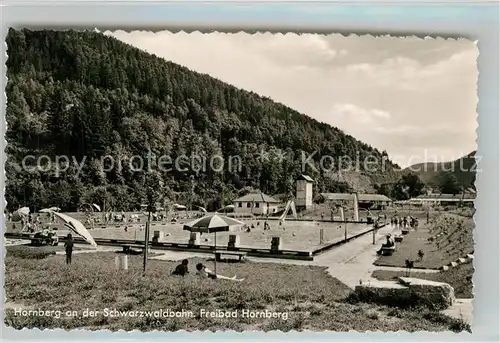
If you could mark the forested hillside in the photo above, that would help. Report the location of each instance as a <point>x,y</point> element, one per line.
<point>458,174</point>
<point>86,95</point>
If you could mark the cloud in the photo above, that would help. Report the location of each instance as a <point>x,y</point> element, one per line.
<point>398,95</point>
<point>356,115</point>
<point>410,74</point>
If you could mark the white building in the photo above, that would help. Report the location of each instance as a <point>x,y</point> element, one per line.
<point>256,203</point>
<point>464,199</point>
<point>364,200</point>
<point>304,198</point>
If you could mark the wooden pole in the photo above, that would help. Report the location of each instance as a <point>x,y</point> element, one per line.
<point>215,252</point>
<point>146,241</point>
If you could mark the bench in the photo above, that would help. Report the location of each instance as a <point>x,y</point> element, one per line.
<point>127,247</point>
<point>241,255</point>
<point>388,251</point>
<point>398,239</point>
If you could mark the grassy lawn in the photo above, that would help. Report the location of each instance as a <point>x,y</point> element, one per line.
<point>459,277</point>
<point>27,251</point>
<point>456,241</point>
<point>312,298</point>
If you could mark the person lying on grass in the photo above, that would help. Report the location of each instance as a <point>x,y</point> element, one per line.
<point>181,269</point>
<point>207,273</point>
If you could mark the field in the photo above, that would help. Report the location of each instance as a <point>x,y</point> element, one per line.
<point>295,235</point>
<point>312,298</point>
<point>444,240</point>
<point>459,277</point>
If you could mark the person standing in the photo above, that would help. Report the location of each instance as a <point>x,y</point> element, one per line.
<point>68,246</point>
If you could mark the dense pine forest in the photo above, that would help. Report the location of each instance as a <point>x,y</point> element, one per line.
<point>86,95</point>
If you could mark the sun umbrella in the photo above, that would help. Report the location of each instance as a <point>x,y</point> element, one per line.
<point>20,214</point>
<point>55,209</point>
<point>179,207</point>
<point>45,210</point>
<point>203,209</point>
<point>23,211</point>
<point>213,223</point>
<point>97,207</point>
<point>77,227</point>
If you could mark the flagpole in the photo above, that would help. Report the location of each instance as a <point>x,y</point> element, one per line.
<point>215,252</point>
<point>146,241</point>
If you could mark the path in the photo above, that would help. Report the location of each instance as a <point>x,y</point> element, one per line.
<point>353,262</point>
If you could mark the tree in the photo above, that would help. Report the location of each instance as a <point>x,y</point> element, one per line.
<point>408,186</point>
<point>409,264</point>
<point>89,96</point>
<point>414,184</point>
<point>448,183</point>
<point>384,189</point>
<point>154,193</point>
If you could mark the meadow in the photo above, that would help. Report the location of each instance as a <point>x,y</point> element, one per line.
<point>313,299</point>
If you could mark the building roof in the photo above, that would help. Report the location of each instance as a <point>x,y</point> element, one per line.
<point>257,197</point>
<point>306,177</point>
<point>350,197</point>
<point>337,196</point>
<point>373,197</point>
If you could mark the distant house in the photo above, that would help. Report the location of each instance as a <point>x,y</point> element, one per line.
<point>256,203</point>
<point>466,199</point>
<point>304,197</point>
<point>470,190</point>
<point>364,200</point>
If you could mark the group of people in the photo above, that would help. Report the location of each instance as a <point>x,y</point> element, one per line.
<point>267,227</point>
<point>404,222</point>
<point>30,223</point>
<point>201,271</point>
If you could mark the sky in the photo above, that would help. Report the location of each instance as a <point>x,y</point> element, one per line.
<point>415,98</point>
